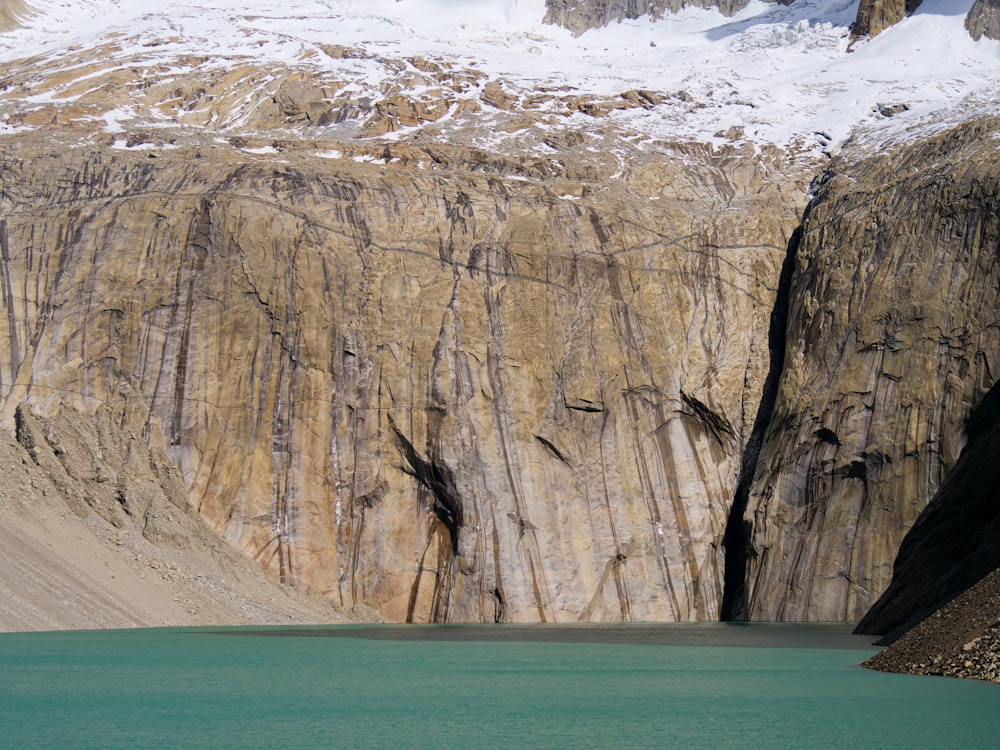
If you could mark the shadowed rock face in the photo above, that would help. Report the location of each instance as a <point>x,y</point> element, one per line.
<point>956,540</point>
<point>984,19</point>
<point>894,337</point>
<point>445,392</point>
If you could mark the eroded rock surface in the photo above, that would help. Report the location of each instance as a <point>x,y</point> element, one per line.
<point>456,393</point>
<point>894,338</point>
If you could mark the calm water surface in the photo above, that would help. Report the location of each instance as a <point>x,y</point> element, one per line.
<point>643,686</point>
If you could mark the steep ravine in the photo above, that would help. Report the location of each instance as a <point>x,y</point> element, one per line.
<point>738,532</point>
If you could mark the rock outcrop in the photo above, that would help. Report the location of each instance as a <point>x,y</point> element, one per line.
<point>582,15</point>
<point>894,338</point>
<point>875,16</point>
<point>983,19</point>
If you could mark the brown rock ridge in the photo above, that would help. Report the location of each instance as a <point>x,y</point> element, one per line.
<point>420,383</point>
<point>894,338</point>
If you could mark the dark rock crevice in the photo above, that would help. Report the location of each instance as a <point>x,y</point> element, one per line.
<point>737,534</point>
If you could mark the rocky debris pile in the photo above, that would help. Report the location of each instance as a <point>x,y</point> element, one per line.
<point>96,532</point>
<point>962,639</point>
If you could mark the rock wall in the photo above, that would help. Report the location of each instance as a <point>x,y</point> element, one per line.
<point>436,384</point>
<point>894,338</point>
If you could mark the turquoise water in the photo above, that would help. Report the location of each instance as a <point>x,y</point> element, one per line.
<point>664,686</point>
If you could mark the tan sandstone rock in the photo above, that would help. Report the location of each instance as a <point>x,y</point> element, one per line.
<point>442,392</point>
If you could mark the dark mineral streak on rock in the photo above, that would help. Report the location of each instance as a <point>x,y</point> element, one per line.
<point>714,422</point>
<point>437,478</point>
<point>737,537</point>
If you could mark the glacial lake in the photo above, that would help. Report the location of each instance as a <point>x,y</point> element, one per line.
<point>509,686</point>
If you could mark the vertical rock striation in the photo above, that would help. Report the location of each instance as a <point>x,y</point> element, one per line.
<point>449,394</point>
<point>894,337</point>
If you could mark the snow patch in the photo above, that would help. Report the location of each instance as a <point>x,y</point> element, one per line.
<point>770,74</point>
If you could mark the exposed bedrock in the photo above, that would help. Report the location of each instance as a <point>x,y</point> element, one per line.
<point>894,338</point>
<point>450,395</point>
<point>875,16</point>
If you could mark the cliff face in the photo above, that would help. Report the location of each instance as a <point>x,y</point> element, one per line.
<point>557,375</point>
<point>893,340</point>
<point>452,393</point>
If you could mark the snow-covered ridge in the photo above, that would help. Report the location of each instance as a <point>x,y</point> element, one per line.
<point>772,74</point>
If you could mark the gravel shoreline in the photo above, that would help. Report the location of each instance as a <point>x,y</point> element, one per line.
<point>961,639</point>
